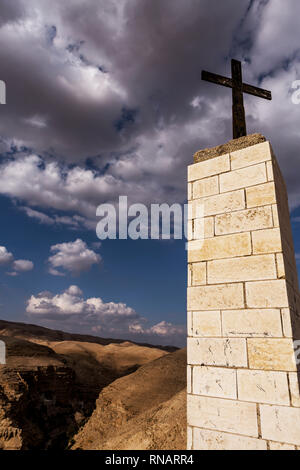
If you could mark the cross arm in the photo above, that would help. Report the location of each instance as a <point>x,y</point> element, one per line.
<point>259,92</point>
<point>218,79</point>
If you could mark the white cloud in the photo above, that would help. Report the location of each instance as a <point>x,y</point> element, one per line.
<point>73,257</point>
<point>71,311</point>
<point>5,256</point>
<point>162,329</point>
<point>71,303</point>
<point>17,266</point>
<point>42,218</point>
<point>22,265</point>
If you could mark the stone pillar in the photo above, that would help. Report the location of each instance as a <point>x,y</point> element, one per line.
<point>243,302</point>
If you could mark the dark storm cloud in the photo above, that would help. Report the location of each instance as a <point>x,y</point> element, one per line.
<point>119,83</point>
<point>11,11</point>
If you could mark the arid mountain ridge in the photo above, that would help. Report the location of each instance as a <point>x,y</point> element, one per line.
<point>60,390</point>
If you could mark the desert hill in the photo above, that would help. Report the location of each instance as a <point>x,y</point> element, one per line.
<point>144,410</point>
<point>39,333</point>
<point>49,386</point>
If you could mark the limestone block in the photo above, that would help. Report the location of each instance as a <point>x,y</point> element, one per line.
<point>286,322</point>
<point>206,324</point>
<point>218,204</point>
<point>270,171</point>
<point>214,440</point>
<point>190,191</point>
<point>261,195</point>
<point>271,354</point>
<point>280,266</point>
<point>223,415</point>
<point>250,156</point>
<point>190,232</point>
<point>267,294</point>
<point>248,268</point>
<point>280,423</point>
<point>220,247</point>
<point>189,379</point>
<point>252,323</point>
<point>244,221</point>
<point>214,382</point>
<point>219,297</point>
<point>294,388</point>
<point>208,168</point>
<point>243,178</point>
<point>218,352</point>
<point>206,187</point>
<point>266,241</point>
<point>190,274</point>
<point>199,274</point>
<point>190,323</point>
<point>275,215</point>
<point>276,446</point>
<point>263,387</point>
<point>204,228</point>
<point>189,438</point>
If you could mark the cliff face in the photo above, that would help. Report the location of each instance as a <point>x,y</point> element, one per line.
<point>145,410</point>
<point>39,408</point>
<point>48,389</point>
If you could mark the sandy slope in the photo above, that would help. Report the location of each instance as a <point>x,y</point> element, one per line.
<point>48,388</point>
<point>144,410</point>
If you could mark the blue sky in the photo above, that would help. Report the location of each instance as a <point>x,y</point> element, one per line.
<point>104,99</point>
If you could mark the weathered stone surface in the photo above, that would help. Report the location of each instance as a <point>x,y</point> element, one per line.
<point>276,446</point>
<point>280,266</point>
<point>261,195</point>
<point>244,221</point>
<point>295,389</point>
<point>286,322</point>
<point>190,231</point>
<point>190,323</point>
<point>203,228</point>
<point>263,387</point>
<point>217,352</point>
<point>231,146</point>
<point>222,297</point>
<point>224,415</point>
<point>260,274</point>
<point>190,191</point>
<point>270,171</point>
<point>214,382</point>
<point>214,440</point>
<point>251,156</point>
<point>252,323</point>
<point>208,168</point>
<point>266,241</point>
<point>219,204</point>
<point>271,354</point>
<point>248,268</point>
<point>220,247</point>
<point>243,178</point>
<point>189,438</point>
<point>222,203</point>
<point>275,215</point>
<point>206,187</point>
<point>199,274</point>
<point>206,324</point>
<point>267,294</point>
<point>280,423</point>
<point>190,275</point>
<point>189,371</point>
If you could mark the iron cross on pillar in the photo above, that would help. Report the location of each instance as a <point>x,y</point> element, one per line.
<point>238,90</point>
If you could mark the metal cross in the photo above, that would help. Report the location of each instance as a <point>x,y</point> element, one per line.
<point>238,90</point>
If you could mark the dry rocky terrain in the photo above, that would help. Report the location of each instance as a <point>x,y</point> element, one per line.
<point>63,391</point>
